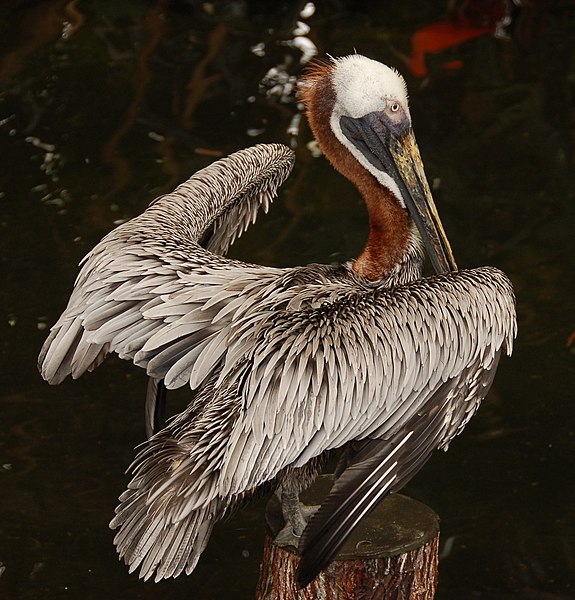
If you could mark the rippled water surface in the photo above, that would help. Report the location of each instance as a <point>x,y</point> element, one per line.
<point>105,105</point>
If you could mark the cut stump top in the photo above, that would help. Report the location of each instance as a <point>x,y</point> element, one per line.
<point>396,526</point>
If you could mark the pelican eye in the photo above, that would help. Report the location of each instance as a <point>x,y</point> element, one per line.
<point>394,107</point>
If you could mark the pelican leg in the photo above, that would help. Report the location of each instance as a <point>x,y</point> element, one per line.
<point>295,514</point>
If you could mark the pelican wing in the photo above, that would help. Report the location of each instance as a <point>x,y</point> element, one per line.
<point>140,270</point>
<point>314,361</point>
<point>359,364</point>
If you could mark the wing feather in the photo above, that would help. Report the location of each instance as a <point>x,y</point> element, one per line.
<point>390,380</point>
<point>148,260</point>
<point>280,399</point>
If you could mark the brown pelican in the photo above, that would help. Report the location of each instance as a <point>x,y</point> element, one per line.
<point>288,364</point>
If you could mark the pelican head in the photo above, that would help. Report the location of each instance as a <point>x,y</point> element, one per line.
<point>359,111</point>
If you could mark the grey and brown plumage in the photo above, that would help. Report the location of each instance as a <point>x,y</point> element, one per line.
<point>288,364</point>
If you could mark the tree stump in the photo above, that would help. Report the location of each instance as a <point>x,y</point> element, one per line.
<point>392,555</point>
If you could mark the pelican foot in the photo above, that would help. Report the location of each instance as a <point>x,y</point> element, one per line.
<point>286,537</point>
<point>296,517</point>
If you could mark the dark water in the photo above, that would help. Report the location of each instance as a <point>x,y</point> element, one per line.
<point>105,105</point>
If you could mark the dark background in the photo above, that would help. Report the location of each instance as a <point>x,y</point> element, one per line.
<point>106,104</point>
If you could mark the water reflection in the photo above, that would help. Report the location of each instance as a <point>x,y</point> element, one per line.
<point>106,105</point>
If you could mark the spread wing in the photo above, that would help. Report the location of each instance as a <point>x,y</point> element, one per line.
<point>313,364</point>
<point>318,365</point>
<point>145,267</point>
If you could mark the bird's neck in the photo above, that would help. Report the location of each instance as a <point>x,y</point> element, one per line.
<point>388,239</point>
<point>389,224</point>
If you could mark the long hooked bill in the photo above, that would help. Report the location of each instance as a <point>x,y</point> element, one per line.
<point>397,155</point>
<point>412,182</point>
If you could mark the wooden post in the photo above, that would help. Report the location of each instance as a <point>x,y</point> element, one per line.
<point>392,555</point>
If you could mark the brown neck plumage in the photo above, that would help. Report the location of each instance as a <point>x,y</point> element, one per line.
<point>388,220</point>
